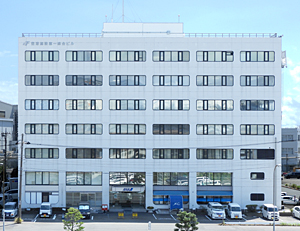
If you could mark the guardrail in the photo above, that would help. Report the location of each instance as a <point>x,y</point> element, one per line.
<point>232,35</point>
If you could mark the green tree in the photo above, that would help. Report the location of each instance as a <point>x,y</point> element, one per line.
<point>187,221</point>
<point>72,217</point>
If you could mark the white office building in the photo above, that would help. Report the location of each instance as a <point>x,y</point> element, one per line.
<point>144,112</point>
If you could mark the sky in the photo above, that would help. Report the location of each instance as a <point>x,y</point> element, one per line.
<point>198,16</point>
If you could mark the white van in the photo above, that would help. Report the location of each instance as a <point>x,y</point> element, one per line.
<point>215,210</point>
<point>268,212</point>
<point>46,209</point>
<point>234,211</point>
<point>11,209</point>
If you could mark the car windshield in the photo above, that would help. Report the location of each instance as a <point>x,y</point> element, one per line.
<point>216,207</point>
<point>272,210</point>
<point>236,209</point>
<point>45,207</point>
<point>84,207</point>
<point>9,207</point>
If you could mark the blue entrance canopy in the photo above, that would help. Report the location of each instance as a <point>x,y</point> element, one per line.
<point>176,202</point>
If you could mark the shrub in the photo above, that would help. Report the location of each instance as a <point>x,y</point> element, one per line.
<point>294,186</point>
<point>298,186</point>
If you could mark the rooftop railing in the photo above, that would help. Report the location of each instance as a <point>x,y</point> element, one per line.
<point>202,35</point>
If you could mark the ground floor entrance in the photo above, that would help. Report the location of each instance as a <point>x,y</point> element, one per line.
<point>127,197</point>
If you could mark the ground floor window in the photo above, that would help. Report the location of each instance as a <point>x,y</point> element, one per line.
<point>39,197</point>
<point>126,199</point>
<point>74,198</point>
<point>165,199</point>
<point>220,199</point>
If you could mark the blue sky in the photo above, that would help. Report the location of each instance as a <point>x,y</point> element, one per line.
<point>198,16</point>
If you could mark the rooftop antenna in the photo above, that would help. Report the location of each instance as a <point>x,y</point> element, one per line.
<point>112,13</point>
<point>179,18</point>
<point>123,11</point>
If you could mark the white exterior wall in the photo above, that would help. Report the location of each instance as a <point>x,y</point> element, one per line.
<point>241,184</point>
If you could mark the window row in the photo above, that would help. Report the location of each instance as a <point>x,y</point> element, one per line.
<point>41,104</point>
<point>214,105</point>
<point>41,56</point>
<point>158,129</point>
<point>84,80</point>
<point>214,129</point>
<point>41,178</point>
<point>157,56</point>
<point>165,104</point>
<point>131,178</point>
<point>158,104</point>
<point>157,80</point>
<point>83,104</point>
<point>257,105</point>
<point>135,153</point>
<point>214,178</point>
<point>84,178</point>
<point>84,56</point>
<point>85,129</point>
<point>170,178</point>
<point>127,104</point>
<point>257,129</point>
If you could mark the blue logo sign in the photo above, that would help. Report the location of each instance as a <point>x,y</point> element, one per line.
<point>127,189</point>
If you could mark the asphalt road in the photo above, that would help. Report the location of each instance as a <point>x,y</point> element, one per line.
<point>136,227</point>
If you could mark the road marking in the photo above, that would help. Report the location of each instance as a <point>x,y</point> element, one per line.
<point>207,217</point>
<point>34,220</point>
<point>244,219</point>
<point>154,216</point>
<point>54,216</point>
<point>92,218</point>
<point>173,217</point>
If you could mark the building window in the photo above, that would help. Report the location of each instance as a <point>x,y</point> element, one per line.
<point>257,56</point>
<point>83,104</point>
<point>257,176</point>
<point>214,129</point>
<point>214,153</point>
<point>41,153</point>
<point>287,151</point>
<point>41,104</point>
<point>84,129</point>
<point>41,56</point>
<point>214,80</point>
<point>175,104</point>
<point>288,137</point>
<point>171,178</point>
<point>41,129</point>
<point>257,80</point>
<point>214,56</point>
<point>171,129</point>
<point>84,80</point>
<point>127,80</point>
<point>127,129</point>
<point>257,197</point>
<point>84,56</point>
<point>257,105</point>
<point>171,80</point>
<point>41,178</point>
<point>214,178</point>
<point>83,153</point>
<point>214,105</point>
<point>171,56</point>
<point>41,80</point>
<point>84,178</point>
<point>2,114</point>
<point>168,153</point>
<point>257,154</point>
<point>127,178</point>
<point>127,56</point>
<point>127,153</point>
<point>257,129</point>
<point>127,104</point>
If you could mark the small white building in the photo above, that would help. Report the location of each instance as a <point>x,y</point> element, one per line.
<point>145,111</point>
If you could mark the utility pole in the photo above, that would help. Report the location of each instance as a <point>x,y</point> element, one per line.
<point>4,134</point>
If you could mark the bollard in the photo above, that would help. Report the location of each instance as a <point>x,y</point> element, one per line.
<point>149,225</point>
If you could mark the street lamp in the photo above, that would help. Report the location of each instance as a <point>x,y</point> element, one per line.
<point>274,196</point>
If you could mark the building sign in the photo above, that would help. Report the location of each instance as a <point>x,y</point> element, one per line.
<point>48,43</point>
<point>128,189</point>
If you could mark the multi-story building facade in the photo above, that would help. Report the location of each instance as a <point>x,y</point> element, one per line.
<point>143,112</point>
<point>290,146</point>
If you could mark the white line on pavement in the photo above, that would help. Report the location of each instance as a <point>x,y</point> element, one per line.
<point>173,217</point>
<point>34,219</point>
<point>207,217</point>
<point>54,216</point>
<point>92,218</point>
<point>154,216</point>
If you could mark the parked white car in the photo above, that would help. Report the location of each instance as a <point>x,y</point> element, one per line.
<point>234,211</point>
<point>215,210</point>
<point>289,200</point>
<point>46,209</point>
<point>296,212</point>
<point>269,211</point>
<point>11,209</point>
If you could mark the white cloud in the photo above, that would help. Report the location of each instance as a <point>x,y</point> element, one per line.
<point>295,73</point>
<point>4,53</point>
